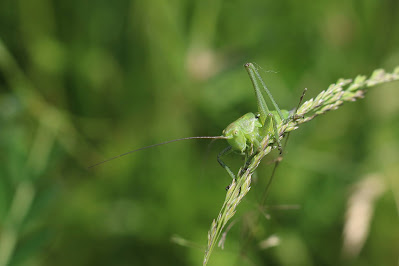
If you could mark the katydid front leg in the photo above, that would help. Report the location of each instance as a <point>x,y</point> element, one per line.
<point>222,153</point>
<point>271,128</point>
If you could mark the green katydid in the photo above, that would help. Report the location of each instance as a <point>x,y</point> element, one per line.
<point>245,134</point>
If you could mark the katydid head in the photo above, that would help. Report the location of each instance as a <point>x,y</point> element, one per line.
<point>235,133</point>
<point>157,144</point>
<point>235,137</point>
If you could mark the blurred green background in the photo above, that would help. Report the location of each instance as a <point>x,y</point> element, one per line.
<point>82,81</point>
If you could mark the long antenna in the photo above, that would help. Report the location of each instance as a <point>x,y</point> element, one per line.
<point>154,145</point>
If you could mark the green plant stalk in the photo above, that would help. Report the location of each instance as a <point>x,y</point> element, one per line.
<point>20,206</point>
<point>52,125</point>
<point>344,90</point>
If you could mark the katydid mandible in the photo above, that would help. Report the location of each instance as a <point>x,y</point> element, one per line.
<point>246,133</point>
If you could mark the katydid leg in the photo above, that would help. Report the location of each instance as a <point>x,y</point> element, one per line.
<point>279,159</point>
<point>270,127</point>
<point>294,116</point>
<point>262,106</point>
<point>253,72</point>
<point>270,96</point>
<point>222,153</point>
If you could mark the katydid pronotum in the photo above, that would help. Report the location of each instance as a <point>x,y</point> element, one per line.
<point>246,133</point>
